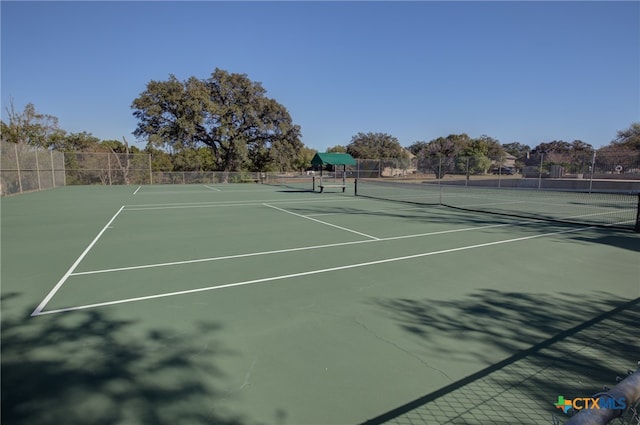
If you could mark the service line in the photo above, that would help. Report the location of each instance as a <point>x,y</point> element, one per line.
<point>307,273</point>
<point>286,250</point>
<point>322,222</point>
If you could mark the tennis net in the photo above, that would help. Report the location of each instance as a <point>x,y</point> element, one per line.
<point>610,209</point>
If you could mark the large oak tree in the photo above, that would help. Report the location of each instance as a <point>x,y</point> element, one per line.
<point>623,151</point>
<point>375,146</point>
<point>228,113</point>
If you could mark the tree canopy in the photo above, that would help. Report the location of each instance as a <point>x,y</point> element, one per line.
<point>519,150</point>
<point>629,138</point>
<point>458,152</point>
<point>375,146</point>
<point>30,127</point>
<point>623,151</point>
<point>228,113</point>
<point>226,122</point>
<point>337,149</point>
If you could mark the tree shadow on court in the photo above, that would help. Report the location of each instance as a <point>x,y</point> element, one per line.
<point>544,332</point>
<point>610,237</point>
<point>85,368</point>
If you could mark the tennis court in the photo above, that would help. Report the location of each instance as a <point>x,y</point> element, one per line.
<point>256,304</point>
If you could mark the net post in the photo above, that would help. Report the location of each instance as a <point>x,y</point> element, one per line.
<point>637,227</point>
<point>593,167</point>
<point>540,170</point>
<point>313,179</point>
<point>627,391</point>
<point>355,187</point>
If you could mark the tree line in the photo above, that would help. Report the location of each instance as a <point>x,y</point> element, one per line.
<point>226,122</point>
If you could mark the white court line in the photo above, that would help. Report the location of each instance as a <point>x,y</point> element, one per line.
<point>139,187</point>
<point>489,204</point>
<point>61,282</point>
<point>308,248</point>
<point>307,273</point>
<point>601,213</point>
<point>286,250</point>
<point>365,212</point>
<point>322,222</point>
<point>213,188</point>
<point>559,217</point>
<point>144,207</point>
<point>534,202</point>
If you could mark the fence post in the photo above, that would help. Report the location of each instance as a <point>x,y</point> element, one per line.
<point>540,171</point>
<point>53,173</point>
<point>15,146</point>
<point>150,171</point>
<point>466,180</point>
<point>38,170</point>
<point>109,166</point>
<point>637,226</point>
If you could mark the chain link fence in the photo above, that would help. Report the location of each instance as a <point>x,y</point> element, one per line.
<point>205,177</point>
<point>107,168</point>
<point>24,168</point>
<point>594,172</point>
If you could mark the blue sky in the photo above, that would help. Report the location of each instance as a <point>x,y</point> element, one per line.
<point>530,72</point>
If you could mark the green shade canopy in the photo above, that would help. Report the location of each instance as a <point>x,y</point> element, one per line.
<point>333,159</point>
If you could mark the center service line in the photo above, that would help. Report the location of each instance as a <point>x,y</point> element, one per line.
<point>286,250</point>
<point>312,272</point>
<point>322,222</point>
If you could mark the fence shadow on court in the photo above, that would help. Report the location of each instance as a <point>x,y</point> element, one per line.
<point>88,368</point>
<point>517,323</point>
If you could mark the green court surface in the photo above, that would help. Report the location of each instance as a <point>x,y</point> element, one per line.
<point>254,304</point>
